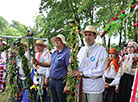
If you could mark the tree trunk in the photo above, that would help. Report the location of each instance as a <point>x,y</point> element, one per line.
<point>104,40</point>
<point>109,43</point>
<point>120,37</point>
<point>82,42</point>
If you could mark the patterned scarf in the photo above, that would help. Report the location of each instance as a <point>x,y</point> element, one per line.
<point>115,63</point>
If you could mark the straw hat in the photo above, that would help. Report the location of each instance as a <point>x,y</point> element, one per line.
<point>40,42</point>
<point>25,43</point>
<point>62,37</point>
<point>89,28</point>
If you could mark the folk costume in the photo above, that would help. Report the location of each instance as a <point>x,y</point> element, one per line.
<point>2,71</point>
<point>109,94</point>
<point>134,93</point>
<point>92,62</point>
<point>42,72</point>
<point>126,74</point>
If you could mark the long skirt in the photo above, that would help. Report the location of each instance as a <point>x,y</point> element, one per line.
<point>2,81</point>
<point>125,88</point>
<point>109,94</point>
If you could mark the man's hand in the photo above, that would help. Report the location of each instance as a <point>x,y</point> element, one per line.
<point>14,61</point>
<point>34,61</point>
<point>70,60</point>
<point>46,82</point>
<point>75,73</point>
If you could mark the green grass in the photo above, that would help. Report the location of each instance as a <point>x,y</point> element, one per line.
<point>3,97</point>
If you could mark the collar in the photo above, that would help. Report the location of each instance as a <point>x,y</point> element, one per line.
<point>61,50</point>
<point>92,46</point>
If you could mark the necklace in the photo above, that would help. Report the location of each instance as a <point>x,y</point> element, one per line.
<point>86,60</point>
<point>89,50</point>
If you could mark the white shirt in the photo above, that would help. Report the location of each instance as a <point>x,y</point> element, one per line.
<point>3,58</point>
<point>110,72</point>
<point>45,56</point>
<point>92,61</point>
<point>126,67</point>
<point>19,64</point>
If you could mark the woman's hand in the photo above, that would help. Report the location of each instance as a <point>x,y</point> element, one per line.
<point>106,85</point>
<point>117,89</point>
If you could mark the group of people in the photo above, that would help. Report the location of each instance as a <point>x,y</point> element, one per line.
<point>119,74</point>
<point>105,79</point>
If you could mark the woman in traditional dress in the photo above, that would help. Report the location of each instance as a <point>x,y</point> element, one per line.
<point>134,93</point>
<point>109,95</point>
<point>126,73</point>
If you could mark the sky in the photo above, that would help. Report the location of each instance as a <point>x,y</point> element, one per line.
<point>23,11</point>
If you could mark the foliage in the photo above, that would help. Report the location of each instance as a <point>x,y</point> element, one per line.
<point>26,71</point>
<point>20,28</point>
<point>94,12</point>
<point>4,97</point>
<point>55,15</point>
<point>72,82</point>
<point>3,24</point>
<point>13,72</point>
<point>12,85</point>
<point>4,47</point>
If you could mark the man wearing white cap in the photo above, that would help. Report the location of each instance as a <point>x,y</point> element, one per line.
<point>92,63</point>
<point>58,63</point>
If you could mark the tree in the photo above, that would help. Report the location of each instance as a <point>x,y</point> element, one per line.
<point>94,12</point>
<point>3,25</point>
<point>20,28</point>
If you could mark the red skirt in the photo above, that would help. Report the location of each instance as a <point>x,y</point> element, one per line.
<point>1,76</point>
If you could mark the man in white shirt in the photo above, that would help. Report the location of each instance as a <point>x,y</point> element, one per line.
<point>92,63</point>
<point>41,73</point>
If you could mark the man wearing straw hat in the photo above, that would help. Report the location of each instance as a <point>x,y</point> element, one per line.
<point>92,63</point>
<point>58,63</point>
<point>42,73</point>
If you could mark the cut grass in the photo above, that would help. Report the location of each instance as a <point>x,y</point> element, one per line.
<point>3,97</point>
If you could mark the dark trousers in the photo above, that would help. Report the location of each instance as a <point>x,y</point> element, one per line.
<point>57,87</point>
